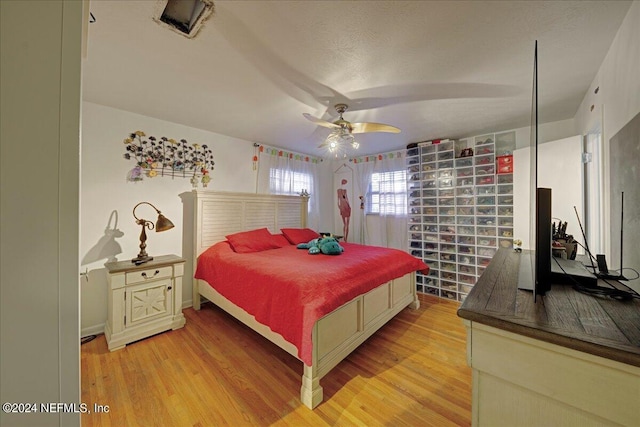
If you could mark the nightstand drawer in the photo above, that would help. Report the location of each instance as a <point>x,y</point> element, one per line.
<point>148,274</point>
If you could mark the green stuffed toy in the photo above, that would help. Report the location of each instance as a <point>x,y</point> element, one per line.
<point>326,245</point>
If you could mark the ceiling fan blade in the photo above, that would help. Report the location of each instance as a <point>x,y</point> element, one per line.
<point>373,127</point>
<point>320,121</point>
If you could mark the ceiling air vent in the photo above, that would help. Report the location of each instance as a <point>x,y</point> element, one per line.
<point>184,16</point>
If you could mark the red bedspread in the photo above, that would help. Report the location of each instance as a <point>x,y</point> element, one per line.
<point>289,290</point>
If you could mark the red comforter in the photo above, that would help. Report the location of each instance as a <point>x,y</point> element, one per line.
<point>289,290</point>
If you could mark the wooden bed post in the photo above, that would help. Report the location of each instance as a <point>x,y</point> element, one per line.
<point>311,391</point>
<point>415,304</point>
<point>304,214</point>
<point>196,215</point>
<point>196,294</point>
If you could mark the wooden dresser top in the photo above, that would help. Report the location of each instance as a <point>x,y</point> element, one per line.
<point>157,261</point>
<point>601,326</point>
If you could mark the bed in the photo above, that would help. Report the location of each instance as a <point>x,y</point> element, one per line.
<point>334,316</point>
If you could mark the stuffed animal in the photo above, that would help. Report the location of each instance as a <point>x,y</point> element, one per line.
<point>326,245</point>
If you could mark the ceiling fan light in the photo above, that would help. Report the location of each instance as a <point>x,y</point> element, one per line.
<point>339,140</point>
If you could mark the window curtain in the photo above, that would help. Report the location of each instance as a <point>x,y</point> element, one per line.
<point>285,172</point>
<point>362,176</point>
<point>389,227</point>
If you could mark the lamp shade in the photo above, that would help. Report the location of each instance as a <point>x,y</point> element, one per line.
<point>163,223</point>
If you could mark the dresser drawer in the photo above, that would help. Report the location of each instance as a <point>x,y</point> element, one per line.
<point>148,274</point>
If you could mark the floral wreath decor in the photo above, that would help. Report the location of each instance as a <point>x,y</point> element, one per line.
<point>168,157</point>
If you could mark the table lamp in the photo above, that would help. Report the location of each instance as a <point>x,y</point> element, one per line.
<point>162,224</point>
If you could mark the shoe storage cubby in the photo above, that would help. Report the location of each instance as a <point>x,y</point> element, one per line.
<point>460,209</point>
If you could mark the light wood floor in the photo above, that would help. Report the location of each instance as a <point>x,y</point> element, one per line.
<point>215,371</point>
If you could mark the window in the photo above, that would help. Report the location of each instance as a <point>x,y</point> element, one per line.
<point>282,181</point>
<point>387,193</point>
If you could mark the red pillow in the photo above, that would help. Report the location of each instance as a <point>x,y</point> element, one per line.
<point>299,235</point>
<point>251,241</point>
<point>279,240</point>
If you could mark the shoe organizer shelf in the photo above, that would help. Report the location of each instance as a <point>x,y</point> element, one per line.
<point>460,209</point>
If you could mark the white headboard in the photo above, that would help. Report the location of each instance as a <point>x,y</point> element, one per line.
<point>217,214</point>
<point>209,216</point>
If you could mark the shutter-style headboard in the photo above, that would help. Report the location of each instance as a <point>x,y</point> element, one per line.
<point>218,214</point>
<point>209,216</point>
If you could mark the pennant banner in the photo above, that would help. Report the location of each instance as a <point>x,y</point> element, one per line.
<point>377,157</point>
<point>272,151</point>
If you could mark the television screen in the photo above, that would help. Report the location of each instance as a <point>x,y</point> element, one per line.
<point>533,167</point>
<point>543,241</point>
<point>540,202</point>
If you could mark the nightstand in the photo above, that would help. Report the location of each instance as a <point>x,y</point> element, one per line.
<point>143,300</point>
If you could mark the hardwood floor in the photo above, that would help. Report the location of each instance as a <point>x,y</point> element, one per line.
<point>215,371</point>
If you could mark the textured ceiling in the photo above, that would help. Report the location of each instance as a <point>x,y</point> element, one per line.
<point>434,69</point>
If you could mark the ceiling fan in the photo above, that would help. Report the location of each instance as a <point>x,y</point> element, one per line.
<point>348,127</point>
<point>341,135</point>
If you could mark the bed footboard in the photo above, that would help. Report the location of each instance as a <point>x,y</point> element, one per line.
<point>340,332</point>
<point>335,335</point>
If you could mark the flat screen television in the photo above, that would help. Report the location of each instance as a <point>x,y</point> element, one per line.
<point>540,230</point>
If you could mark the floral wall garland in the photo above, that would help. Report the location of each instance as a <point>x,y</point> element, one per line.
<point>168,157</point>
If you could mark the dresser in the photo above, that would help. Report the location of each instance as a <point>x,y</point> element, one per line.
<point>143,300</point>
<point>566,359</point>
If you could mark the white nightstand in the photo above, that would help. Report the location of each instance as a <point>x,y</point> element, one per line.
<point>143,299</point>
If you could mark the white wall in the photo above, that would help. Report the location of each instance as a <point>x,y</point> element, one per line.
<point>559,168</point>
<point>41,47</point>
<point>615,104</point>
<point>106,194</point>
<point>618,80</point>
<point>105,190</point>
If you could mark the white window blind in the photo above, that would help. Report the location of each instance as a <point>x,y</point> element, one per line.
<point>387,193</point>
